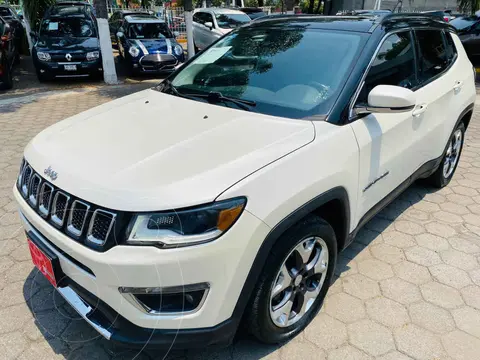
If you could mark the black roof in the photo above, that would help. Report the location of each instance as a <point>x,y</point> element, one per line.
<point>362,23</point>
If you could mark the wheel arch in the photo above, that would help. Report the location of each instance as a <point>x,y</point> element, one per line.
<point>333,206</point>
<point>465,116</point>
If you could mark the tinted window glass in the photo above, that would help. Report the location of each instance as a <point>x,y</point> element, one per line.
<point>197,18</point>
<point>4,12</point>
<point>256,64</point>
<point>451,49</point>
<point>394,65</point>
<point>433,57</point>
<point>149,31</point>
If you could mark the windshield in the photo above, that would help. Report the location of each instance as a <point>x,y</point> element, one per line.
<point>149,31</point>
<point>288,72</point>
<point>464,22</point>
<point>231,21</point>
<point>69,27</point>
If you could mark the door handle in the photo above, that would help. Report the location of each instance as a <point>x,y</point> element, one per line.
<point>457,87</point>
<point>420,109</point>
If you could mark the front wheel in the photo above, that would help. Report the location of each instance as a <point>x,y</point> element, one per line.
<point>7,78</point>
<point>295,281</point>
<point>442,176</point>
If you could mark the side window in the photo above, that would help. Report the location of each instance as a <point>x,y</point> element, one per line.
<point>208,18</point>
<point>394,65</point>
<point>451,49</point>
<point>433,57</point>
<point>197,18</point>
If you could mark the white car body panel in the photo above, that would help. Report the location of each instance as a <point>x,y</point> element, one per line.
<point>144,169</point>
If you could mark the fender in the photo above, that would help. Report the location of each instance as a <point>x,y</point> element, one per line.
<point>338,193</point>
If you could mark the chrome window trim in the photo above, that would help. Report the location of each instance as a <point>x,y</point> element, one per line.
<point>45,211</point>
<point>92,238</point>
<point>132,299</point>
<point>54,217</point>
<point>34,200</point>
<point>72,230</point>
<point>25,187</point>
<point>351,114</point>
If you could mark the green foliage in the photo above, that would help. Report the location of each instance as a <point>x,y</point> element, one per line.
<point>35,9</point>
<point>316,7</point>
<point>469,6</point>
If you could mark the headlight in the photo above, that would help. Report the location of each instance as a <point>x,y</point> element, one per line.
<point>178,50</point>
<point>93,55</point>
<point>43,56</point>
<point>134,51</point>
<point>185,227</point>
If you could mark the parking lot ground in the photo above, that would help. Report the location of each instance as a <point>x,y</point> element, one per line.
<point>407,288</point>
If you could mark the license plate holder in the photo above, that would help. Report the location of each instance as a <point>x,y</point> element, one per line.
<point>46,262</point>
<point>70,67</point>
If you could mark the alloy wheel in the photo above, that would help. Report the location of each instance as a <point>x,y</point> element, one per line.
<point>453,153</point>
<point>299,281</point>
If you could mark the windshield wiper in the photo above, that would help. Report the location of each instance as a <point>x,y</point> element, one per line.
<point>212,97</point>
<point>216,97</point>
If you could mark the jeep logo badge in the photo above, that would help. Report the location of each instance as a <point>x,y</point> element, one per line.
<point>50,173</point>
<point>68,57</point>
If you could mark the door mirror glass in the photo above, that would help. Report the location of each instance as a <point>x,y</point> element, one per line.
<point>388,99</point>
<point>209,24</point>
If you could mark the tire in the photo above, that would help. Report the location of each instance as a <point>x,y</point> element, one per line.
<point>7,78</point>
<point>262,308</point>
<point>441,177</point>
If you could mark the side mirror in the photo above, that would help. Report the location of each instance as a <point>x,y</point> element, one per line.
<point>388,99</point>
<point>209,24</point>
<point>20,17</point>
<point>120,34</point>
<point>176,33</point>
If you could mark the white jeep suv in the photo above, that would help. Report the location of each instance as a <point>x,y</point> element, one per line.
<point>226,192</point>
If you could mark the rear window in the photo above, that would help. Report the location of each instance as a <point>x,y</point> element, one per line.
<point>283,70</point>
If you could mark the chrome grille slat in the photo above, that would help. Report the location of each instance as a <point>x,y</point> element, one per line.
<point>59,208</point>
<point>45,199</point>
<point>33,189</point>
<point>100,226</point>
<point>77,217</point>
<point>26,175</point>
<point>22,167</point>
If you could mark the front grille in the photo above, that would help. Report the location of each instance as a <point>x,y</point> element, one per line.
<point>84,222</point>
<point>75,57</point>
<point>158,61</point>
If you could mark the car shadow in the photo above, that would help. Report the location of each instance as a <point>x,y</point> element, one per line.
<point>69,335</point>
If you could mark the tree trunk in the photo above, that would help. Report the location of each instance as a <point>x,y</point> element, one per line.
<point>317,10</point>
<point>108,63</point>
<point>310,6</point>
<point>260,3</point>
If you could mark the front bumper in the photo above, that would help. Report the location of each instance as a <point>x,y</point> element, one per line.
<point>57,69</point>
<point>223,264</point>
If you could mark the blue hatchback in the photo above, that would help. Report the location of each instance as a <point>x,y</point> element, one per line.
<point>147,45</point>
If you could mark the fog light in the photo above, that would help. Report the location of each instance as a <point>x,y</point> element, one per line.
<point>135,65</point>
<point>167,300</point>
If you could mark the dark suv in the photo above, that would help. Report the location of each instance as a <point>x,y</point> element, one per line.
<point>67,44</point>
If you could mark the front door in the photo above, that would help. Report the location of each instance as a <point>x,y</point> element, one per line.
<point>388,155</point>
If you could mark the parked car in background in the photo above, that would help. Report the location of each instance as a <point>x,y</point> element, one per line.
<point>222,197</point>
<point>116,20</point>
<point>364,12</point>
<point>210,24</point>
<point>445,15</point>
<point>16,23</point>
<point>253,12</point>
<point>67,44</point>
<point>468,29</point>
<point>146,44</point>
<point>9,53</point>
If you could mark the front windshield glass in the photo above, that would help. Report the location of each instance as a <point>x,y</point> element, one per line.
<point>149,31</point>
<point>68,27</point>
<point>231,21</point>
<point>288,71</point>
<point>464,22</point>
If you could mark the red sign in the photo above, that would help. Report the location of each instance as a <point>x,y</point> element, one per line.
<point>42,262</point>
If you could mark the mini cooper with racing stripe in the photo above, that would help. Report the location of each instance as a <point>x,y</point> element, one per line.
<point>147,45</point>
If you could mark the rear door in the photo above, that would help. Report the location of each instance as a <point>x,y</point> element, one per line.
<point>437,91</point>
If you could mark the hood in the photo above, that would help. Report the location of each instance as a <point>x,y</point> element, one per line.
<point>157,46</point>
<point>67,44</point>
<point>152,151</point>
